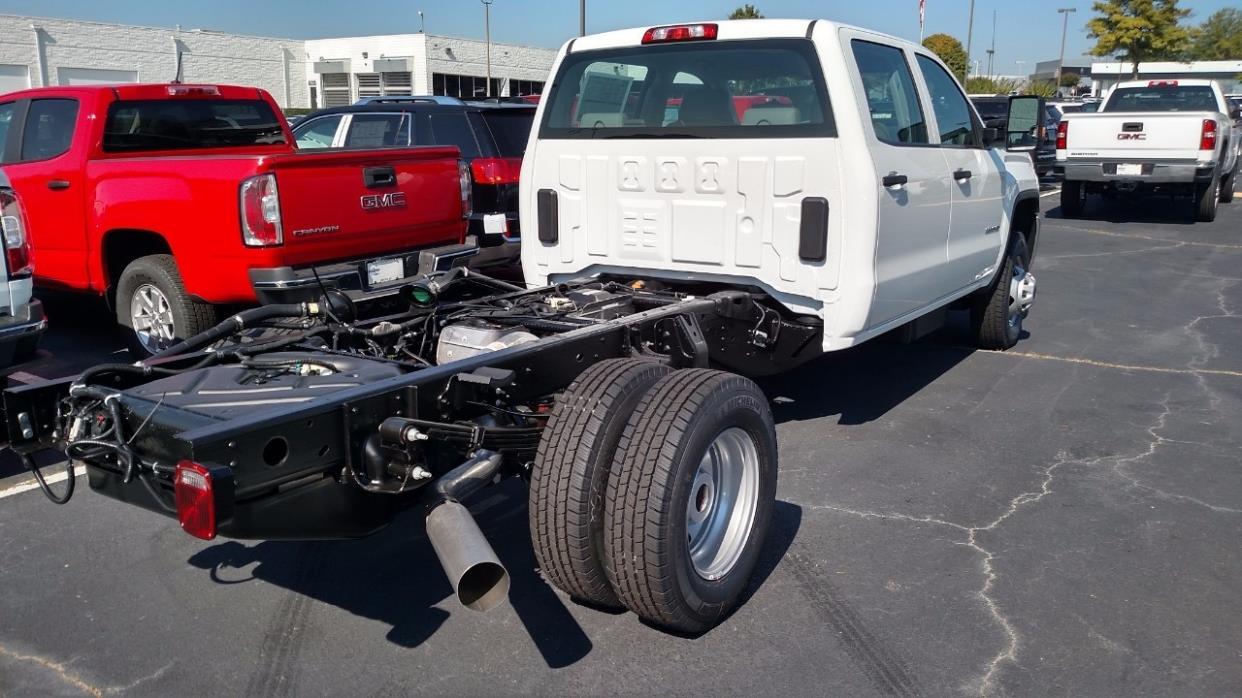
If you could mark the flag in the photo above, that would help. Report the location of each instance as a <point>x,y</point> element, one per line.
<point>921,10</point>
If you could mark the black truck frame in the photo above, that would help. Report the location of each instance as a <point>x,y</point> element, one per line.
<point>324,425</point>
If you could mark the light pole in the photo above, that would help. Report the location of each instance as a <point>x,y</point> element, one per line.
<point>581,17</point>
<point>1065,12</point>
<point>487,31</point>
<point>422,23</point>
<point>970,29</point>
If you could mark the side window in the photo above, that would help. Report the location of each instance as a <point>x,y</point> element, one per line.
<point>49,128</point>
<point>378,131</point>
<point>451,128</point>
<point>949,104</point>
<point>896,114</point>
<point>6,117</point>
<point>317,133</point>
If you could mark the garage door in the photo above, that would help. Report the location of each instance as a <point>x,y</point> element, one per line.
<point>14,77</point>
<point>94,76</point>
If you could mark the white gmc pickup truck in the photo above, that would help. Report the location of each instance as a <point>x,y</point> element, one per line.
<point>840,172</point>
<point>1170,136</point>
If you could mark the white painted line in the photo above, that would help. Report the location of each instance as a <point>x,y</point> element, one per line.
<point>59,476</point>
<point>1050,193</point>
<point>27,378</point>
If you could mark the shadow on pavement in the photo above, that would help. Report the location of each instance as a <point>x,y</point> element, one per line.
<point>1152,209</point>
<point>862,384</point>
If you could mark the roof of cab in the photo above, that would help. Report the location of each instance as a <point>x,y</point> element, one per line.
<point>727,29</point>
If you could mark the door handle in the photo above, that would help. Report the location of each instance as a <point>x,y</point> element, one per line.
<point>961,175</point>
<point>894,180</point>
<point>57,184</point>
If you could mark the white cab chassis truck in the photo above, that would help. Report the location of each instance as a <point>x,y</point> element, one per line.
<point>709,202</point>
<point>1179,137</point>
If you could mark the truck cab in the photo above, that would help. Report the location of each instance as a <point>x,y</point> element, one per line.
<point>840,171</point>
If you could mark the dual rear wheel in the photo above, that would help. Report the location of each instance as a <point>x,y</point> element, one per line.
<point>652,490</point>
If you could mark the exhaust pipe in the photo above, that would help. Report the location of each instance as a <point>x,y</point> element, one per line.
<point>478,578</point>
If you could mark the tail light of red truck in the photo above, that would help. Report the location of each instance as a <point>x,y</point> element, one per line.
<point>16,239</point>
<point>1207,136</point>
<point>260,212</point>
<point>196,499</point>
<point>467,187</point>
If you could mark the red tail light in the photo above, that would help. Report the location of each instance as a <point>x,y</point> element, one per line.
<point>196,499</point>
<point>1062,134</point>
<point>467,188</point>
<point>496,170</point>
<point>680,32</point>
<point>1207,137</point>
<point>260,212</point>
<point>16,239</point>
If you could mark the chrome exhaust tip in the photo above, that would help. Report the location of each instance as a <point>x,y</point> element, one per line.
<point>479,580</point>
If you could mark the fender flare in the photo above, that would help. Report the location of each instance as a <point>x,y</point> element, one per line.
<point>1033,236</point>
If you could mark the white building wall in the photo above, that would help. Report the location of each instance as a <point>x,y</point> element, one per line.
<point>430,54</point>
<point>57,51</point>
<point>469,57</point>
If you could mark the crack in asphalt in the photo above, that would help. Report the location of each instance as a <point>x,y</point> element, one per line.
<point>1109,364</point>
<point>61,671</point>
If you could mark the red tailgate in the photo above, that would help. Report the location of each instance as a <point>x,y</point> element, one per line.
<point>352,204</point>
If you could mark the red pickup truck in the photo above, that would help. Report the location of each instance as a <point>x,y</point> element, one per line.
<point>174,200</point>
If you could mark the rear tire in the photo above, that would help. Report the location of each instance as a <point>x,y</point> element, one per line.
<point>1073,199</point>
<point>570,476</point>
<point>997,316</point>
<point>689,498</point>
<point>1207,198</point>
<point>153,308</point>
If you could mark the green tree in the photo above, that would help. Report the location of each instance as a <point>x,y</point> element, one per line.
<point>1139,30</point>
<point>1220,37</point>
<point>1070,79</point>
<point>950,51</point>
<point>746,11</point>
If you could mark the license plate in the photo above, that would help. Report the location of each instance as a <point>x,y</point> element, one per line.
<point>1129,169</point>
<point>384,271</point>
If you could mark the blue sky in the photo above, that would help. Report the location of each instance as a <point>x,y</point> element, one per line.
<point>1025,31</point>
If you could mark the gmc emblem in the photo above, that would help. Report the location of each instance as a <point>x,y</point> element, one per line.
<point>395,199</point>
<point>1131,136</point>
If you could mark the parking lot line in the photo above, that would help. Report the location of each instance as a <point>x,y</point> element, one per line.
<point>1119,367</point>
<point>32,484</point>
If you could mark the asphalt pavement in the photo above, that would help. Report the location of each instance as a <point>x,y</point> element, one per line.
<point>1060,519</point>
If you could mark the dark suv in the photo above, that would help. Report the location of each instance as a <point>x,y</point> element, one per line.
<point>491,136</point>
<point>994,112</point>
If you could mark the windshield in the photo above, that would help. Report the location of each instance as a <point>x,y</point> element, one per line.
<point>510,129</point>
<point>706,89</point>
<point>1155,98</point>
<point>173,124</point>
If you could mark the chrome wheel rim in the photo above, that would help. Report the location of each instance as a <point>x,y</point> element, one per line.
<point>1021,294</point>
<point>151,317</point>
<point>720,509</point>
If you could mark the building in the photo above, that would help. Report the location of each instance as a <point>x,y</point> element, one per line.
<point>1104,76</point>
<point>339,71</point>
<point>1046,71</point>
<point>39,51</point>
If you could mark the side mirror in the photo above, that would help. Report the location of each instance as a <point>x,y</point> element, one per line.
<point>992,137</point>
<point>1026,115</point>
<point>1236,114</point>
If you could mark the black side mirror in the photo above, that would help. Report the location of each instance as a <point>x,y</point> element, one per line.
<point>1236,114</point>
<point>992,137</point>
<point>1026,115</point>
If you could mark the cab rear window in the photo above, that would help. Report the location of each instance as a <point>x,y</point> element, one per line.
<point>707,89</point>
<point>181,124</point>
<point>1158,98</point>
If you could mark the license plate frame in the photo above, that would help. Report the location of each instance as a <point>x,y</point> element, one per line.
<point>382,272</point>
<point>1129,169</point>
